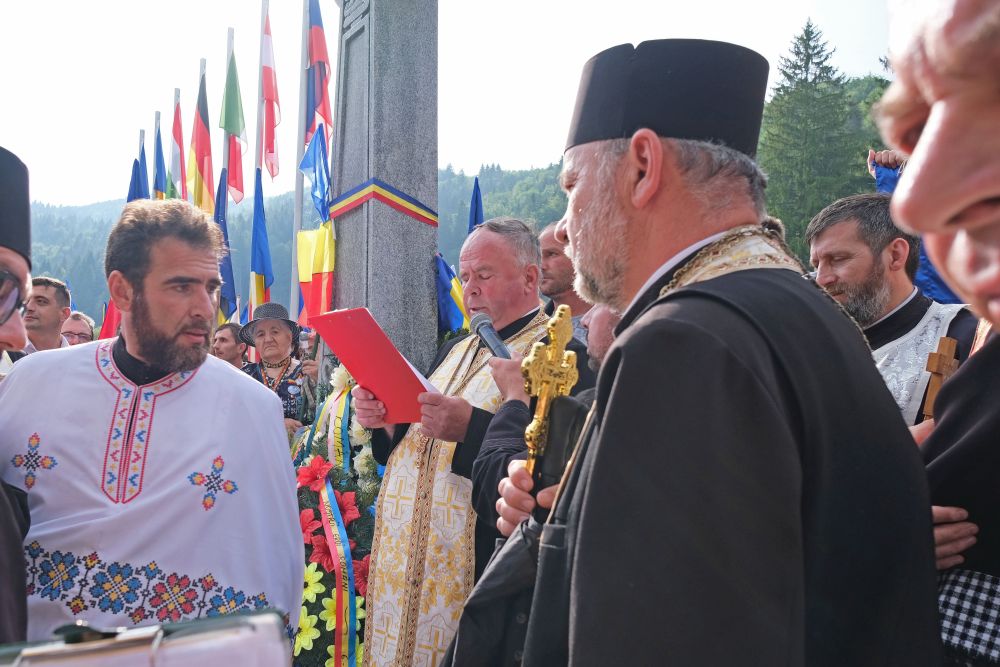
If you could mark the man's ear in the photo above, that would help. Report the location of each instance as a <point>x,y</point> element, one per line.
<point>121,291</point>
<point>64,314</point>
<point>899,250</point>
<point>532,274</point>
<point>645,161</point>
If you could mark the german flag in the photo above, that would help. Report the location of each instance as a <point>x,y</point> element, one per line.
<point>199,171</point>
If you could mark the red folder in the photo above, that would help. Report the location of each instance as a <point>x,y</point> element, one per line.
<point>371,358</point>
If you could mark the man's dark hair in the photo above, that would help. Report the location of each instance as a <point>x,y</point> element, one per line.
<point>145,222</point>
<point>875,225</point>
<point>62,292</point>
<point>233,329</point>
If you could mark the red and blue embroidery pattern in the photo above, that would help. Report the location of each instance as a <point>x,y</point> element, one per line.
<point>214,483</point>
<point>32,461</point>
<point>142,592</point>
<point>131,427</point>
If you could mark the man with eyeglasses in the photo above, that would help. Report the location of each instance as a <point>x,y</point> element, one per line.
<point>78,328</point>
<point>15,266</point>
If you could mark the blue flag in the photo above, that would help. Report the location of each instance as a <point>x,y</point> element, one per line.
<point>261,274</point>
<point>135,184</point>
<point>450,316</point>
<point>159,169</point>
<point>927,278</point>
<point>143,174</point>
<point>475,207</point>
<point>316,168</point>
<point>227,296</point>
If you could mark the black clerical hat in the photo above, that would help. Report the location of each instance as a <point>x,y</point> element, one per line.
<point>679,88</point>
<point>15,209</point>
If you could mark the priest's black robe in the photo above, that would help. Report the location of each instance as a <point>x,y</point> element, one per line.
<point>963,468</point>
<point>747,495</point>
<point>14,523</point>
<point>468,449</point>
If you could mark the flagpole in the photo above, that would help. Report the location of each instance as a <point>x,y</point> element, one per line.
<point>142,139</point>
<point>259,149</point>
<point>225,134</point>
<point>293,304</point>
<point>180,148</point>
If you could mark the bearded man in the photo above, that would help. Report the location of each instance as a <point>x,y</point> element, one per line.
<point>943,111</point>
<point>158,478</point>
<point>868,265</point>
<point>731,501</point>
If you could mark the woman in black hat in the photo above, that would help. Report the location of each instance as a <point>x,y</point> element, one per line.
<point>274,336</point>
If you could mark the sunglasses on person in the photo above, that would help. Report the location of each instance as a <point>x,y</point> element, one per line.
<point>11,297</point>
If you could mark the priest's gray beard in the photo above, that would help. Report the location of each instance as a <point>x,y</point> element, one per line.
<point>867,300</point>
<point>598,249</point>
<point>162,350</point>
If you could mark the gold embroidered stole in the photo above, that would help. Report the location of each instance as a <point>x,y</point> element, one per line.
<point>423,550</point>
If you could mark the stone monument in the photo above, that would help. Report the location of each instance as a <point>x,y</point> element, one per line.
<point>385,155</point>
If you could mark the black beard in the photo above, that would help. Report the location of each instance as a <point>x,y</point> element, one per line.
<point>159,349</point>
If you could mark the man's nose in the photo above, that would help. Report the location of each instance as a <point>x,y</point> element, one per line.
<point>562,235</point>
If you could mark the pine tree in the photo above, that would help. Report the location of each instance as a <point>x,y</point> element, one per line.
<point>809,147</point>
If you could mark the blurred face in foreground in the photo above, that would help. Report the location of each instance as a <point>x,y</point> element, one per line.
<point>14,281</point>
<point>944,111</point>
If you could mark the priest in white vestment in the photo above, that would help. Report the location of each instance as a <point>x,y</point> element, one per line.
<point>158,478</point>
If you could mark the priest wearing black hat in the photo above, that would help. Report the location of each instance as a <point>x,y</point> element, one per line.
<point>15,278</point>
<point>746,492</point>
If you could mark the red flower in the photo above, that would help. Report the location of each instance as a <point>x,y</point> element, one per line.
<point>321,554</point>
<point>308,525</point>
<point>361,575</point>
<point>314,474</point>
<point>348,506</point>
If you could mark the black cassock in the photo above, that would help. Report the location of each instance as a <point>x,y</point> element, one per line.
<point>748,495</point>
<point>963,468</point>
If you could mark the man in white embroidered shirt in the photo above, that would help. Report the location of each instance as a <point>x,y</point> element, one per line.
<point>868,265</point>
<point>154,496</point>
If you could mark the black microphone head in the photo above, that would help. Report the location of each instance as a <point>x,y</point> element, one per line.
<point>478,320</point>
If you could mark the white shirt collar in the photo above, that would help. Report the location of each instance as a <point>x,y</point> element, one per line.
<point>672,262</point>
<point>31,349</point>
<point>894,310</point>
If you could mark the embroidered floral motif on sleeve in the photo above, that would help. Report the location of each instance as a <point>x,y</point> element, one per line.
<point>32,461</point>
<point>140,591</point>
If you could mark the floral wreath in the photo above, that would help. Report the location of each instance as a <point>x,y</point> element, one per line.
<point>338,482</point>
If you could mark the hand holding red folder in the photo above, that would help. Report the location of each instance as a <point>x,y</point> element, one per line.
<point>374,362</point>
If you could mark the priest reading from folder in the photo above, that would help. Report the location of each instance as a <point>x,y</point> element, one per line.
<point>746,492</point>
<point>423,552</point>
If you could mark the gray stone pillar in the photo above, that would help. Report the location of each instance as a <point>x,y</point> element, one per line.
<point>385,127</point>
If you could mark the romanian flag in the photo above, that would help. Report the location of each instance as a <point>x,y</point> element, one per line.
<point>227,294</point>
<point>316,258</point>
<point>159,168</point>
<point>232,124</point>
<point>272,109</point>
<point>317,75</point>
<point>199,171</point>
<point>261,275</point>
<point>451,309</point>
<point>177,178</point>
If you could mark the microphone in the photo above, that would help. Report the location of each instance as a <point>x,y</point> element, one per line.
<point>482,326</point>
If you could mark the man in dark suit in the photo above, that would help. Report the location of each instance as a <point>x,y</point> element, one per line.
<point>746,492</point>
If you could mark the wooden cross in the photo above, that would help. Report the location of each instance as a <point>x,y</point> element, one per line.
<point>549,371</point>
<point>941,365</point>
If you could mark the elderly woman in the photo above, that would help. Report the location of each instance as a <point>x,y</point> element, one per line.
<point>275,337</point>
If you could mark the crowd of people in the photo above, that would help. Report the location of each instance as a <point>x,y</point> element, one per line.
<point>759,463</point>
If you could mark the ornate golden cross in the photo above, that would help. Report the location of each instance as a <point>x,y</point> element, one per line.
<point>941,365</point>
<point>549,371</point>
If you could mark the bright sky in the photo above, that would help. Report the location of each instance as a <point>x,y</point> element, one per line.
<point>80,79</point>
